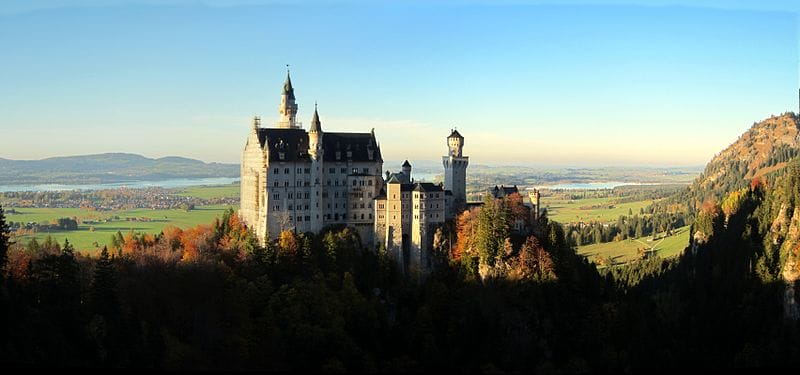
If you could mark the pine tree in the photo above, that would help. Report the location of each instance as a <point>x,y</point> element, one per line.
<point>104,286</point>
<point>4,236</point>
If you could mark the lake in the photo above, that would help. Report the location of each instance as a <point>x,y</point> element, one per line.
<point>167,184</point>
<point>589,185</point>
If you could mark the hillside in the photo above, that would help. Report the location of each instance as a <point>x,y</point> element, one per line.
<point>765,148</point>
<point>110,167</point>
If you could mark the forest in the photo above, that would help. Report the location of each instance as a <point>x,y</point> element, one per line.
<point>209,297</point>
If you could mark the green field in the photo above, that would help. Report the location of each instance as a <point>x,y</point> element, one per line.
<point>209,192</point>
<point>147,220</point>
<point>571,211</point>
<point>627,250</point>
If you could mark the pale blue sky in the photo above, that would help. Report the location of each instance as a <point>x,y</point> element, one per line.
<point>579,83</point>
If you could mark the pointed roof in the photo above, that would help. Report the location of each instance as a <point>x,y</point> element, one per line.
<point>316,126</point>
<point>287,86</point>
<point>393,180</point>
<point>406,163</point>
<point>455,134</point>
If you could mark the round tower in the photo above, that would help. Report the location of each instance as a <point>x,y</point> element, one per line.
<point>455,172</point>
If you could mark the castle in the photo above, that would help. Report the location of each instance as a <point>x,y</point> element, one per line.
<point>305,180</point>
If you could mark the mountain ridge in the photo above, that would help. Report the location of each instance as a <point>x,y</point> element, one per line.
<point>765,148</point>
<point>108,168</point>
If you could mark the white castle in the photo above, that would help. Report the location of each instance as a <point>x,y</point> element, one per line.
<point>293,179</point>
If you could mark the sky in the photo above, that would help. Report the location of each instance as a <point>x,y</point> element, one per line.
<point>574,83</point>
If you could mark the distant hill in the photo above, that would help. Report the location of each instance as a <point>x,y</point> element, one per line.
<point>106,168</point>
<point>765,148</point>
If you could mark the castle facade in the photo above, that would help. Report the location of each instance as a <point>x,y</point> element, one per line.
<point>305,180</point>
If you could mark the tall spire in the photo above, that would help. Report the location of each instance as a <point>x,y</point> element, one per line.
<point>316,126</point>
<point>288,106</point>
<point>288,90</point>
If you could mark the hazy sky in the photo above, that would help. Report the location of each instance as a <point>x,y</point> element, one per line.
<point>581,83</point>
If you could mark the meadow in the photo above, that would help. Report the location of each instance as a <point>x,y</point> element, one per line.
<point>624,251</point>
<point>96,227</point>
<point>590,209</point>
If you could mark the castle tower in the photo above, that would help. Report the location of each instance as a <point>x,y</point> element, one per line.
<point>288,107</point>
<point>455,170</point>
<point>535,205</point>
<point>395,240</point>
<point>406,169</point>
<point>316,151</point>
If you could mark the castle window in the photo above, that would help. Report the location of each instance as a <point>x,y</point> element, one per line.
<point>317,216</point>
<point>276,196</point>
<point>369,183</point>
<point>299,218</point>
<point>355,170</point>
<point>362,216</point>
<point>290,207</point>
<point>290,195</point>
<point>317,204</point>
<point>286,183</point>
<point>329,205</point>
<point>370,205</point>
<point>369,194</point>
<point>308,218</point>
<point>380,206</point>
<point>361,183</point>
<point>305,207</point>
<point>276,208</point>
<point>286,170</point>
<point>336,194</point>
<point>416,216</point>
<point>299,170</point>
<point>355,205</point>
<point>370,216</point>
<point>307,183</point>
<point>276,184</point>
<point>354,182</point>
<point>336,205</point>
<point>337,182</point>
<point>362,205</point>
<point>416,206</point>
<point>307,170</point>
<point>281,155</point>
<point>354,215</point>
<point>331,170</point>
<point>276,171</point>
<point>366,170</point>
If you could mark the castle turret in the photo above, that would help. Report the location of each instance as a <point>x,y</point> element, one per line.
<point>315,136</point>
<point>455,172</point>
<point>288,107</point>
<point>316,151</point>
<point>406,168</point>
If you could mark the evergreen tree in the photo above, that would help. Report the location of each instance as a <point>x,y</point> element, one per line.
<point>4,236</point>
<point>104,285</point>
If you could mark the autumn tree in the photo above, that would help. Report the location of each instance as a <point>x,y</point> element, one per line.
<point>533,262</point>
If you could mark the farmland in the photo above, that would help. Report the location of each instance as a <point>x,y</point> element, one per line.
<point>604,209</point>
<point>619,252</point>
<point>95,227</point>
